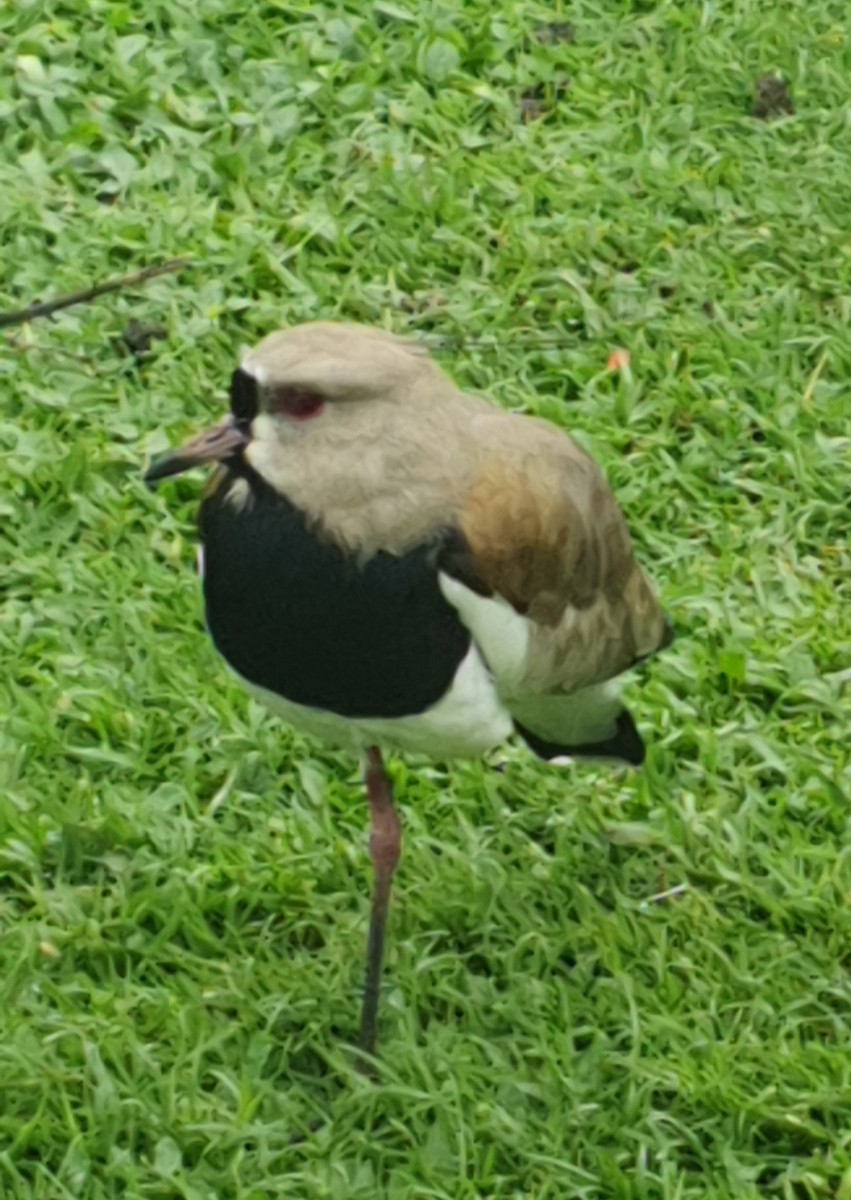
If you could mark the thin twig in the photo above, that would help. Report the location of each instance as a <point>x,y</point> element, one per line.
<point>668,894</point>
<point>45,309</point>
<point>462,341</point>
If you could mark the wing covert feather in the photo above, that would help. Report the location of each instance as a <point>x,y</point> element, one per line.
<point>543,531</point>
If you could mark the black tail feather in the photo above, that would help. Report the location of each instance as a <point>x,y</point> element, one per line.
<point>626,744</point>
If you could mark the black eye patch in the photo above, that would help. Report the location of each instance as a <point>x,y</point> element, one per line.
<point>243,396</point>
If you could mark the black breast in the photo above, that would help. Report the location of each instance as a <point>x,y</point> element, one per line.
<point>293,613</point>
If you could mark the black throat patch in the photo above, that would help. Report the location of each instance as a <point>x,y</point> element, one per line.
<point>293,613</point>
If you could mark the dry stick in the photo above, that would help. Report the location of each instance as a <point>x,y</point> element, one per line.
<point>440,341</point>
<point>45,309</point>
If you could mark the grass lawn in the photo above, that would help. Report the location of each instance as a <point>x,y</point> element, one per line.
<point>184,882</point>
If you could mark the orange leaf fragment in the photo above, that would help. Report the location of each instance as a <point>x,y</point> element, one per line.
<point>618,360</point>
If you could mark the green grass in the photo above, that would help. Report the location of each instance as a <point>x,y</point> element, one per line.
<point>183,882</point>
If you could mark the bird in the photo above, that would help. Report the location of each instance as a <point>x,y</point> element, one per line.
<point>394,565</point>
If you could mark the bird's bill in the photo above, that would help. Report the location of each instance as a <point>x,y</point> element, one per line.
<point>222,441</point>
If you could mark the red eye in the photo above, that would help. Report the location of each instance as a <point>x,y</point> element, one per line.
<point>300,404</point>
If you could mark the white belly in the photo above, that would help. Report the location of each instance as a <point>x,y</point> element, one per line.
<point>467,721</point>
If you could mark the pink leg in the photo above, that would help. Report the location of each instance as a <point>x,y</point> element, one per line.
<point>385,846</point>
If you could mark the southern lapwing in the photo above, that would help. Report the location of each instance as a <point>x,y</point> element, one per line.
<point>391,563</point>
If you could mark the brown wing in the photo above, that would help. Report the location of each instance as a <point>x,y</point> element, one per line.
<point>542,530</point>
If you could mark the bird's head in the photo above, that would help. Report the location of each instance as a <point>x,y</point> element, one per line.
<point>300,381</point>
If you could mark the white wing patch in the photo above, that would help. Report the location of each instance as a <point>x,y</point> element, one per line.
<point>500,632</point>
<point>504,637</point>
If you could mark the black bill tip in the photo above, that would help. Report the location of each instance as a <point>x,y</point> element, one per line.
<point>163,467</point>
